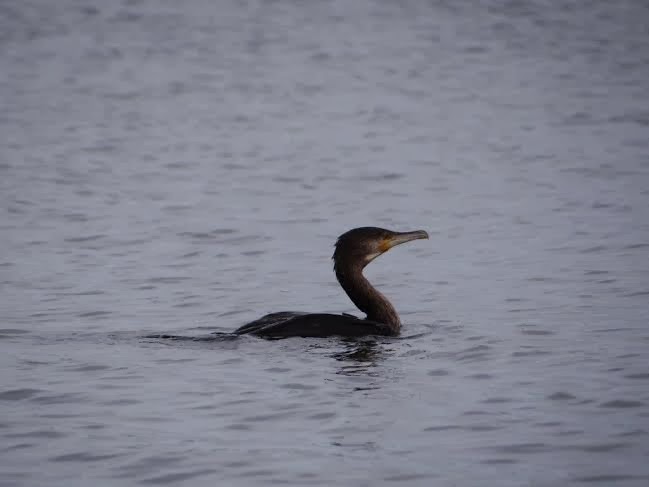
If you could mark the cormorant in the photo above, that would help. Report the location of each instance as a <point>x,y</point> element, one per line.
<point>354,250</point>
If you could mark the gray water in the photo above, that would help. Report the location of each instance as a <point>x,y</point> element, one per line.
<point>185,167</point>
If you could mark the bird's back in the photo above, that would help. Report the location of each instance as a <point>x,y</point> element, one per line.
<point>291,323</point>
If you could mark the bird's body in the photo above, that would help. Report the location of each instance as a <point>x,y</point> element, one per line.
<point>294,323</point>
<point>354,250</point>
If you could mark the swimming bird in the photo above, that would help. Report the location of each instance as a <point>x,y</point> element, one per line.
<point>354,250</point>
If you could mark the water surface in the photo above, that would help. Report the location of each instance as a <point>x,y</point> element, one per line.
<point>183,169</point>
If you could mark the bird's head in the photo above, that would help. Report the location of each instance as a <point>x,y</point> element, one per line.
<point>362,245</point>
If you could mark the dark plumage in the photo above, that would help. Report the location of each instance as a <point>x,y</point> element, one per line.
<point>354,250</point>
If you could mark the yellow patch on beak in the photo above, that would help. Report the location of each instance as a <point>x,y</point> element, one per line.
<point>385,245</point>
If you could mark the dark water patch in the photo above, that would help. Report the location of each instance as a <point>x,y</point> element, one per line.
<point>475,338</point>
<point>534,331</point>
<point>561,396</point>
<point>472,354</point>
<point>58,415</point>
<point>174,478</point>
<point>130,376</point>
<point>480,376</point>
<point>187,304</point>
<point>530,353</point>
<point>637,294</point>
<point>145,465</point>
<point>365,446</point>
<point>482,427</point>
<point>599,448</point>
<point>101,148</point>
<point>609,479</point>
<point>438,372</point>
<point>447,427</point>
<point>594,249</point>
<point>260,418</point>
<point>18,394</point>
<point>190,255</point>
<point>43,434</point>
<point>548,279</point>
<point>76,217</point>
<point>523,448</point>
<point>232,361</point>
<point>629,355</point>
<point>85,238</point>
<point>548,424</point>
<point>129,242</point>
<point>121,402</point>
<point>298,386</point>
<point>637,432</point>
<point>405,477</point>
<point>622,404</point>
<point>287,179</point>
<point>322,416</point>
<point>499,461</point>
<point>179,165</point>
<point>34,362</point>
<point>213,337</point>
<point>412,353</point>
<point>94,314</point>
<point>252,253</point>
<point>88,368</point>
<point>82,457</point>
<point>63,398</point>
<point>419,335</point>
<point>237,463</point>
<point>90,292</point>
<point>477,412</point>
<point>278,370</point>
<point>233,312</point>
<point>640,117</point>
<point>17,446</point>
<point>638,376</point>
<point>204,407</point>
<point>388,176</point>
<point>521,310</point>
<point>150,419</point>
<point>366,388</point>
<point>210,235</point>
<point>12,331</point>
<point>613,330</point>
<point>636,246</point>
<point>239,402</point>
<point>174,360</point>
<point>168,279</point>
<point>496,400</point>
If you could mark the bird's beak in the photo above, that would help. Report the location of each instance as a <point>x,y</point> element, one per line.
<point>402,237</point>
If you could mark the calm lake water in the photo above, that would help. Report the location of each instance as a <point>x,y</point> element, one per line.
<point>185,167</point>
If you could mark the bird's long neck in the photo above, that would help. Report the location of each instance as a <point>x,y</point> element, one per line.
<point>366,297</point>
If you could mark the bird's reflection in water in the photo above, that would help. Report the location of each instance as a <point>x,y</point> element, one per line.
<point>361,358</point>
<point>364,351</point>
